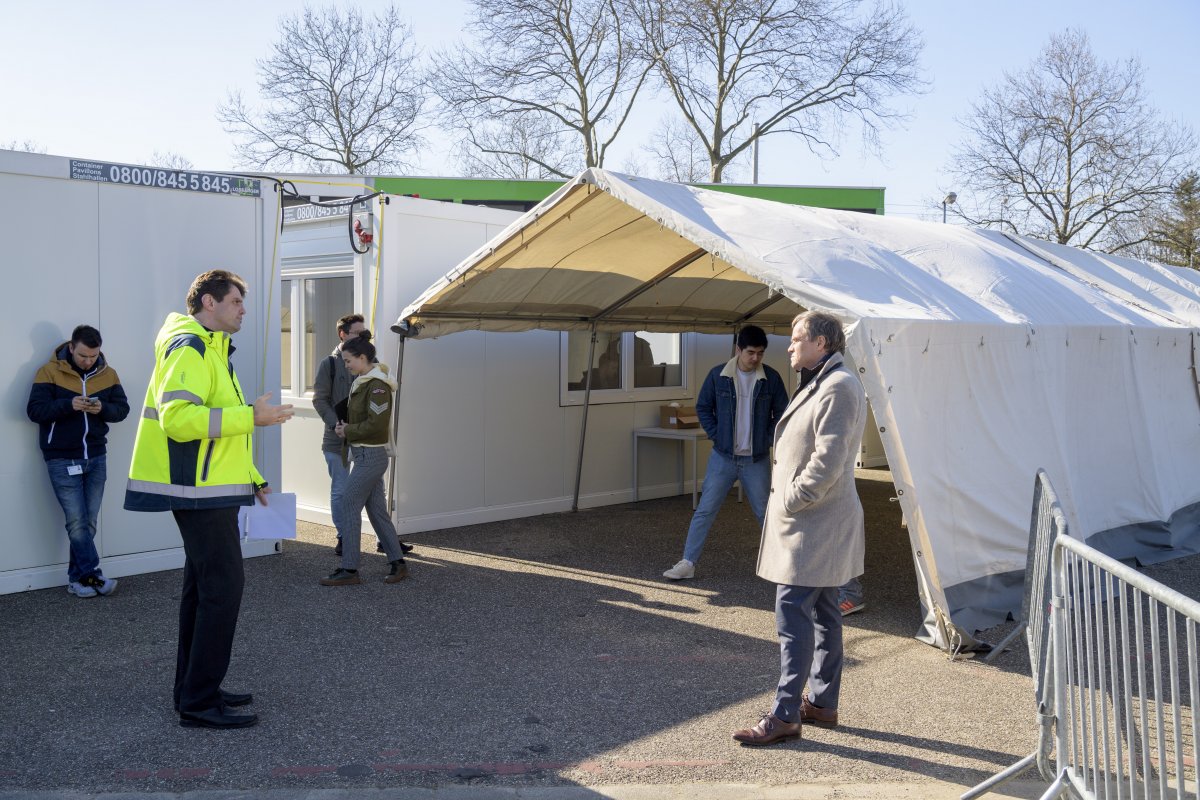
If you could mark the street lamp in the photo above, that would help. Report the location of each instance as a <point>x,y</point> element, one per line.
<point>948,200</point>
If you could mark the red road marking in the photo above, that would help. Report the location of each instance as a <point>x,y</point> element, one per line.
<point>521,768</point>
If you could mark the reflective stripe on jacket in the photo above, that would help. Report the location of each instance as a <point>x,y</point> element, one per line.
<point>195,439</point>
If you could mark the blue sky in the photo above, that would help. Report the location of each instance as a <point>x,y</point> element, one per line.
<point>117,81</point>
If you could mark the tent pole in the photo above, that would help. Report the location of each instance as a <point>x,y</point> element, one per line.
<point>391,483</point>
<point>587,396</point>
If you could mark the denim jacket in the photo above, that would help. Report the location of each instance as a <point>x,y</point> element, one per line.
<point>717,405</point>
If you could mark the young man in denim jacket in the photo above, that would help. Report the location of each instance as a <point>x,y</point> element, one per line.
<point>738,406</point>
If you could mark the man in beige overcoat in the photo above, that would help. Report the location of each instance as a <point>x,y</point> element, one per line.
<point>813,538</point>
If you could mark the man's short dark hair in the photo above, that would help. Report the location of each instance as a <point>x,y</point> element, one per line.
<point>345,323</point>
<point>85,335</point>
<point>818,323</point>
<point>751,336</point>
<point>218,283</point>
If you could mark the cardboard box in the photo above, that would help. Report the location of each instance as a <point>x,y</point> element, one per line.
<point>682,417</point>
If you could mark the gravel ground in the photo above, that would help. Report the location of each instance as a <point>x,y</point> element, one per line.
<point>536,653</point>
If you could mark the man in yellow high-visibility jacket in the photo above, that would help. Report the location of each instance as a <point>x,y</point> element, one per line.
<point>194,457</point>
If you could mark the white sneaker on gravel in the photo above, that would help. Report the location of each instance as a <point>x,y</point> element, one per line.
<point>681,571</point>
<point>80,590</point>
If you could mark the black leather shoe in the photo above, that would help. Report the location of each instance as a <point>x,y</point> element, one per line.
<point>216,719</point>
<point>406,548</point>
<point>231,699</point>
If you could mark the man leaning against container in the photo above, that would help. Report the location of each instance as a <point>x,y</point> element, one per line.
<point>75,396</point>
<point>193,456</point>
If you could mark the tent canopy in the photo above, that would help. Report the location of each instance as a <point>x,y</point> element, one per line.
<point>627,252</point>
<point>984,356</point>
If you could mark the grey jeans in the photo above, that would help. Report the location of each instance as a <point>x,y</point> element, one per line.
<point>364,489</point>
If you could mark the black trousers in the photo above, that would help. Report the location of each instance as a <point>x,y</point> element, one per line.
<point>209,606</point>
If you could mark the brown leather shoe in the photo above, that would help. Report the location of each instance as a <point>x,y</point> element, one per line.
<point>815,715</point>
<point>769,730</point>
<point>398,572</point>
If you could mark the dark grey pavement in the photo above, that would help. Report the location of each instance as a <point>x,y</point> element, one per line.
<point>540,657</point>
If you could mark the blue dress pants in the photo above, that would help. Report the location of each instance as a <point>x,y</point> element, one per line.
<point>810,648</point>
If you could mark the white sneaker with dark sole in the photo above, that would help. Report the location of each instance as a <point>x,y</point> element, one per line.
<point>681,571</point>
<point>79,590</point>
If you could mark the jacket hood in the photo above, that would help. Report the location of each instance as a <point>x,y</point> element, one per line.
<point>177,323</point>
<point>62,355</point>
<point>378,372</point>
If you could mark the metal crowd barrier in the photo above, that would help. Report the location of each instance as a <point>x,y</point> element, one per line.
<point>1116,697</point>
<point>1046,524</point>
<point>1126,676</point>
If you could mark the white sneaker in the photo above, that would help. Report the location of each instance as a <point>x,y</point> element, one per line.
<point>681,571</point>
<point>80,590</point>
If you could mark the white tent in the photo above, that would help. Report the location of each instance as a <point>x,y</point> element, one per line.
<point>984,356</point>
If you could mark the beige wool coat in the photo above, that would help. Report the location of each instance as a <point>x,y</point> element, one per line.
<point>813,529</point>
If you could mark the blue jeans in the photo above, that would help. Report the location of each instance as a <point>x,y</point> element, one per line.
<point>809,624</point>
<point>719,478</point>
<point>338,472</point>
<point>80,496</point>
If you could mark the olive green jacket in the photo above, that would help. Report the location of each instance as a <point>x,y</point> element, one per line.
<point>369,409</point>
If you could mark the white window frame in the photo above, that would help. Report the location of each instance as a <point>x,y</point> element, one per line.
<point>297,275</point>
<point>628,394</point>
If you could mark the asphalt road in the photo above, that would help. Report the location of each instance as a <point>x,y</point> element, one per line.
<point>538,654</point>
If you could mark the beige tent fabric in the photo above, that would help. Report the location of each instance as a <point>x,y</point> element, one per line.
<point>587,256</point>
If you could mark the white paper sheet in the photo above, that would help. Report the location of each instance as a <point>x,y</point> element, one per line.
<point>276,520</point>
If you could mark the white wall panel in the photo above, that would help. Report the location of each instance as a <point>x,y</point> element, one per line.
<point>48,228</point>
<point>524,453</point>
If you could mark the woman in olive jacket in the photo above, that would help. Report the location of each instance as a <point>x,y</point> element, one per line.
<point>366,434</point>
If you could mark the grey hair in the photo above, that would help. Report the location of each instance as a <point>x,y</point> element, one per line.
<point>818,323</point>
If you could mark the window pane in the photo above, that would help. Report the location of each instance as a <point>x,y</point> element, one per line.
<point>325,301</point>
<point>285,326</point>
<point>606,362</point>
<point>657,359</point>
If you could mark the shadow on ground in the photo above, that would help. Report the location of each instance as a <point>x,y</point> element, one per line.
<point>545,651</point>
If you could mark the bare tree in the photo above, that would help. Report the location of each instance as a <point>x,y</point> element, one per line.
<point>1173,235</point>
<point>340,93</point>
<point>678,153</point>
<point>26,146</point>
<point>524,146</point>
<point>796,67</point>
<point>569,64</point>
<point>170,160</point>
<point>1068,150</point>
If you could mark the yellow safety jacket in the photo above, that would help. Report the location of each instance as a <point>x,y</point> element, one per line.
<point>195,440</point>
